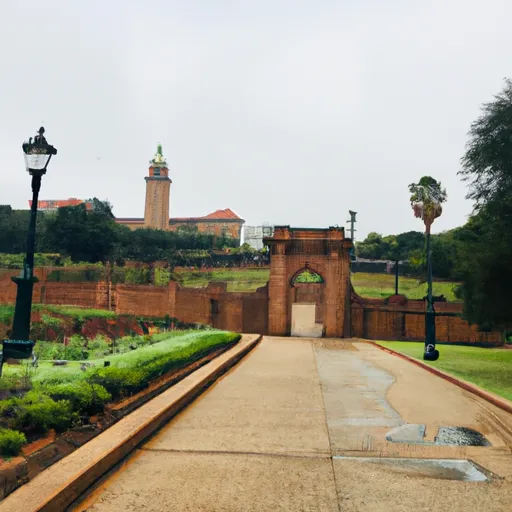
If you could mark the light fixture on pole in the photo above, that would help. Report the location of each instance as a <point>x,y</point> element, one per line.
<point>38,154</point>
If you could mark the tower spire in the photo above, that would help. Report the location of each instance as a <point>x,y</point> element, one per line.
<point>159,159</point>
<point>158,190</point>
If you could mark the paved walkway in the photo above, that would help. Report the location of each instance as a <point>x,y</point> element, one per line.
<point>300,425</point>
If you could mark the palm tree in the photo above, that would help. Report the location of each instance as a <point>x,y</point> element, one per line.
<point>426,199</point>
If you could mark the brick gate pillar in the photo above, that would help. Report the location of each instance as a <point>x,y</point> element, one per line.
<point>278,292</point>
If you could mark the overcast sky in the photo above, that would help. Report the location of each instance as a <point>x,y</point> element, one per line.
<point>287,111</point>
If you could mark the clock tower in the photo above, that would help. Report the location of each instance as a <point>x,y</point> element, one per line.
<point>158,193</point>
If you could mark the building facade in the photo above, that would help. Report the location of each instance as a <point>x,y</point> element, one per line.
<point>52,205</point>
<point>254,235</point>
<point>157,207</point>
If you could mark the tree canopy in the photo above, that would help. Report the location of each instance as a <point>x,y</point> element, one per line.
<point>427,197</point>
<point>486,252</point>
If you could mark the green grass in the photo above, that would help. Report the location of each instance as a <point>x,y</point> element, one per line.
<point>489,368</point>
<point>375,286</point>
<point>176,345</point>
<point>76,311</point>
<point>378,286</point>
<point>7,311</point>
<point>239,280</point>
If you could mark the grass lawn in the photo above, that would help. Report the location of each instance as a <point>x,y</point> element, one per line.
<point>7,311</point>
<point>489,368</point>
<point>367,285</point>
<point>378,286</point>
<point>239,280</point>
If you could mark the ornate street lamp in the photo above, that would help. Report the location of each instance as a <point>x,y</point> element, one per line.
<point>37,156</point>
<point>427,196</point>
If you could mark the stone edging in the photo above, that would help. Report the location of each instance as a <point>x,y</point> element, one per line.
<point>502,404</point>
<point>61,484</point>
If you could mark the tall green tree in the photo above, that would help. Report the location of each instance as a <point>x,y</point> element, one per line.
<point>487,249</point>
<point>81,234</point>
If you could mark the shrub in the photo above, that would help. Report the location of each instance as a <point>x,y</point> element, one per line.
<point>11,442</point>
<point>100,342</point>
<point>84,397</point>
<point>76,350</point>
<point>52,321</point>
<point>37,412</point>
<point>162,277</point>
<point>119,381</point>
<point>47,350</point>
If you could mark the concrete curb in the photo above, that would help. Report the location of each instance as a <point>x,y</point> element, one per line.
<point>495,400</point>
<point>60,485</point>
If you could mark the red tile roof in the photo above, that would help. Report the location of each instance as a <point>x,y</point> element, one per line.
<point>60,203</point>
<point>218,215</point>
<point>223,214</point>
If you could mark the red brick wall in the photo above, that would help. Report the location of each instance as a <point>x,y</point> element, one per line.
<point>142,300</point>
<point>90,295</point>
<point>192,305</point>
<point>394,319</point>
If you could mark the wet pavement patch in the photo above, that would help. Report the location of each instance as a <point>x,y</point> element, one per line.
<point>444,469</point>
<point>460,436</point>
<point>446,436</point>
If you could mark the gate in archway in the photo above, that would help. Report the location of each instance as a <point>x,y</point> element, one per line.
<point>309,308</point>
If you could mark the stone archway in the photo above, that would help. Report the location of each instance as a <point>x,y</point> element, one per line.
<point>326,252</point>
<point>307,303</point>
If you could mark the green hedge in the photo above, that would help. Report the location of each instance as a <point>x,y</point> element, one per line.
<point>11,442</point>
<point>85,398</point>
<point>36,412</point>
<point>123,381</point>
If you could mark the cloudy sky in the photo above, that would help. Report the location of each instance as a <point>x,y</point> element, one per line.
<point>287,111</point>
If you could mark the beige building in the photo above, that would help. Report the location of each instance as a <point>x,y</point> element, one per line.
<point>158,204</point>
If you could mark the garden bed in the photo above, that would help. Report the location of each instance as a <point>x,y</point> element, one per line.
<point>65,410</point>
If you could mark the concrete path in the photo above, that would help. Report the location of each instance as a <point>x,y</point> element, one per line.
<point>301,425</point>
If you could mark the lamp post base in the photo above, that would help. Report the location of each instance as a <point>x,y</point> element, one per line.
<point>431,354</point>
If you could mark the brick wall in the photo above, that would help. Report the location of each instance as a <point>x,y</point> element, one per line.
<point>397,318</point>
<point>213,305</point>
<point>78,294</point>
<point>142,300</point>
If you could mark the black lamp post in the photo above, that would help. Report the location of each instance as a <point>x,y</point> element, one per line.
<point>431,353</point>
<point>37,156</point>
<point>426,199</point>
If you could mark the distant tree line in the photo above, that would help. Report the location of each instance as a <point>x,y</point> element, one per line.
<point>94,236</point>
<point>409,248</point>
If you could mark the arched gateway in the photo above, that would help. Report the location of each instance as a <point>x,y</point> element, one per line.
<point>309,307</point>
